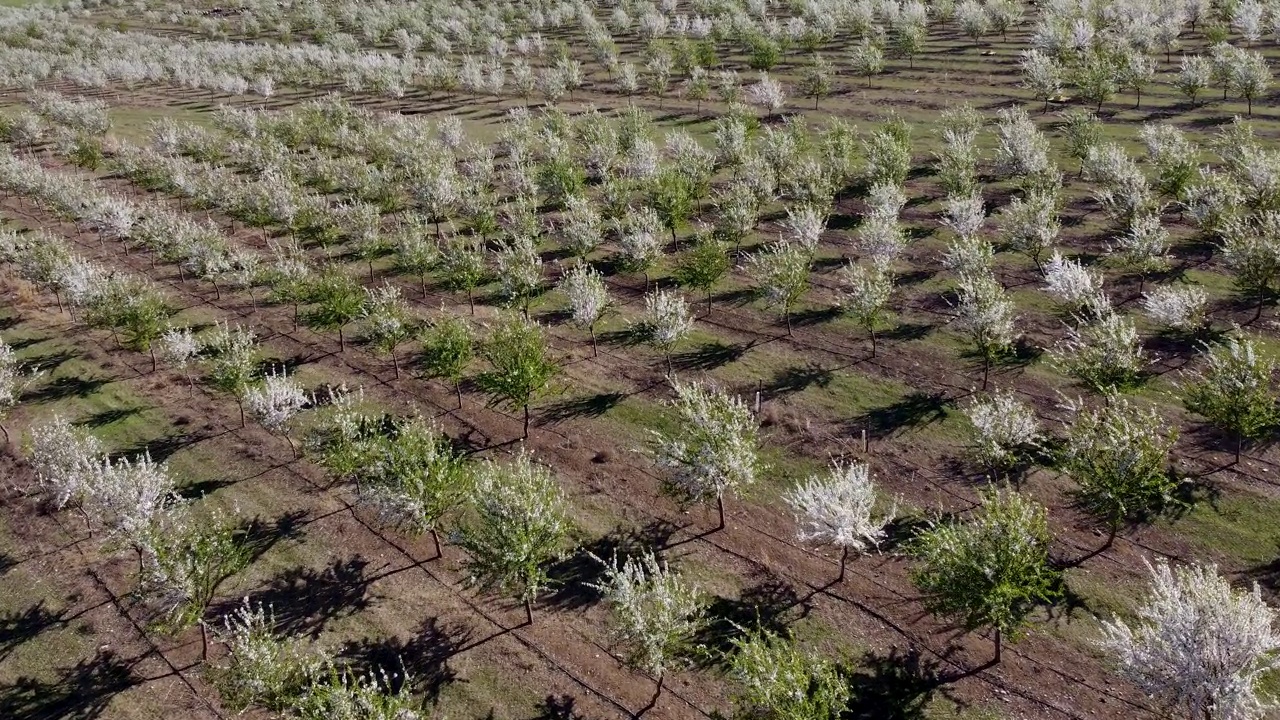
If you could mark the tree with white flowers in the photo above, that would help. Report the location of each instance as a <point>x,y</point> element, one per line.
<point>1021,149</point>
<point>1005,430</point>
<point>1199,645</point>
<point>1118,456</point>
<point>13,381</point>
<point>233,361</point>
<point>840,508</point>
<point>418,480</point>
<point>388,322</point>
<point>1070,281</point>
<point>781,271</point>
<point>1176,307</point>
<point>65,458</point>
<point>984,313</point>
<point>990,570</point>
<point>581,226</point>
<point>274,402</point>
<point>516,525</point>
<point>769,671</point>
<point>1103,352</point>
<point>588,298</point>
<point>713,447</point>
<point>768,94</point>
<point>1234,390</point>
<point>666,321</point>
<point>640,242</point>
<point>1041,75</point>
<point>654,613</point>
<point>179,348</point>
<point>866,295</point>
<point>1251,250</point>
<point>1030,224</point>
<point>867,59</point>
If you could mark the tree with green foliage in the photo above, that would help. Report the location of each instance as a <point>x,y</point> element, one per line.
<point>418,479</point>
<point>261,667</point>
<point>520,362</point>
<point>388,322</point>
<point>777,680</point>
<point>516,526</point>
<point>655,613</point>
<point>186,559</point>
<point>817,80</point>
<point>448,345</point>
<point>144,317</point>
<point>1234,391</point>
<point>704,265</point>
<point>713,447</point>
<point>908,41</point>
<point>781,271</point>
<point>672,196</point>
<point>991,570</point>
<point>462,267</point>
<point>233,361</point>
<point>1118,455</point>
<point>336,300</point>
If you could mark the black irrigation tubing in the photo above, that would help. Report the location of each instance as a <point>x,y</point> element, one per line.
<point>726,550</point>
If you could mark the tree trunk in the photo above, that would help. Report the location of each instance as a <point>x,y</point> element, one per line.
<point>986,369</point>
<point>844,560</point>
<point>471,300</point>
<point>395,363</point>
<point>786,315</point>
<point>293,448</point>
<point>204,641</point>
<point>595,350</point>
<point>423,279</point>
<point>526,421</point>
<point>435,538</point>
<point>528,611</point>
<point>457,387</point>
<point>1239,445</point>
<point>998,642</point>
<point>153,357</point>
<point>5,430</point>
<point>241,404</point>
<point>708,301</point>
<point>872,329</point>
<point>720,509</point>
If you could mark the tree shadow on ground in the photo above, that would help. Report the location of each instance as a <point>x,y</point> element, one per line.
<point>63,388</point>
<point>7,563</point>
<point>83,692</point>
<point>558,707</point>
<point>160,449</point>
<point>766,606</point>
<point>590,406</point>
<point>894,686</point>
<point>709,356</point>
<point>1267,576</point>
<point>424,658</point>
<point>19,626</point>
<point>49,362</point>
<point>798,378</point>
<point>571,575</point>
<point>816,316</point>
<point>915,410</point>
<point>905,332</point>
<point>306,599</point>
<point>260,535</point>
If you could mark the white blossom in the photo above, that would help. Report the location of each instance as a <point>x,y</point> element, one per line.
<point>1180,307</point>
<point>839,508</point>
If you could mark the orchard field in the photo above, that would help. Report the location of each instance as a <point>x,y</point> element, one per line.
<point>713,358</point>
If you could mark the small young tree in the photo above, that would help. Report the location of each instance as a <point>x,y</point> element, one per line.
<point>1105,353</point>
<point>418,480</point>
<point>839,508</point>
<point>1118,455</point>
<point>1194,75</point>
<point>1199,645</point>
<point>462,267</point>
<point>179,348</point>
<point>908,41</point>
<point>640,242</point>
<point>1005,431</point>
<point>519,270</point>
<point>867,59</point>
<point>144,316</point>
<point>337,299</point>
<point>704,265</point>
<point>387,322</point>
<point>666,321</point>
<point>1178,308</point>
<point>991,570</point>
<point>867,291</point>
<point>274,402</point>
<point>589,299</point>
<point>517,525</point>
<point>776,680</point>
<point>1041,75</point>
<point>13,381</point>
<point>520,364</point>
<point>781,271</point>
<point>985,314</point>
<point>260,668</point>
<point>1070,282</point>
<point>417,253</point>
<point>1030,224</point>
<point>582,227</point>
<point>1097,78</point>
<point>672,196</point>
<point>448,345</point>
<point>817,80</point>
<point>712,448</point>
<point>187,558</point>
<point>233,361</point>
<point>1234,390</point>
<point>65,459</point>
<point>654,613</point>
<point>1250,76</point>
